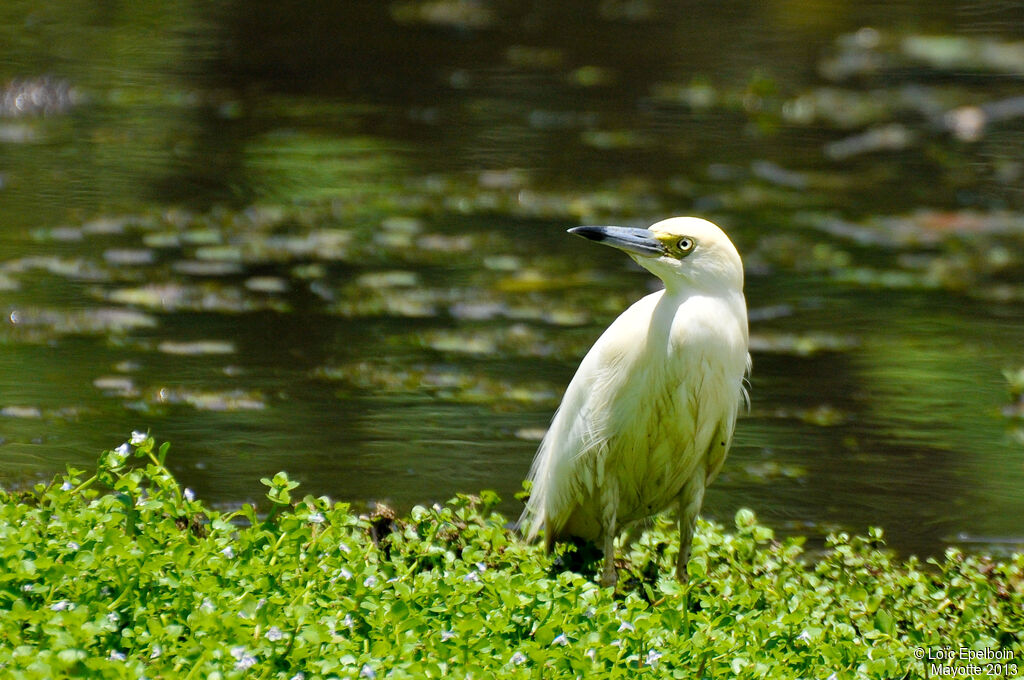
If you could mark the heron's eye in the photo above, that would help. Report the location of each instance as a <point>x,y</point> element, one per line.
<point>685,245</point>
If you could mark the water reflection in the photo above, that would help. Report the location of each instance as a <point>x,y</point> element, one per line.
<point>333,242</point>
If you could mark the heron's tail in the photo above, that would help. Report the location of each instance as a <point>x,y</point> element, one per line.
<point>534,517</point>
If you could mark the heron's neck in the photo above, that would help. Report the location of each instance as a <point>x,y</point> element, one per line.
<point>680,290</point>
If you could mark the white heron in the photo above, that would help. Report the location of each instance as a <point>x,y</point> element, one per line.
<point>648,418</point>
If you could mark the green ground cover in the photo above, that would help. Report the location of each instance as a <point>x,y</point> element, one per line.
<point>127,574</point>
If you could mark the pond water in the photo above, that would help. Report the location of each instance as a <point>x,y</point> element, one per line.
<point>331,240</point>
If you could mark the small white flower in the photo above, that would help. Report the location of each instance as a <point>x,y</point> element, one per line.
<point>367,672</point>
<point>591,653</point>
<point>260,603</point>
<point>238,652</point>
<point>137,438</point>
<point>61,606</point>
<point>114,617</point>
<point>274,634</point>
<point>298,676</point>
<point>228,552</point>
<point>370,581</point>
<point>27,588</point>
<point>73,546</point>
<point>804,636</point>
<point>317,518</point>
<point>207,606</point>
<point>447,635</point>
<point>245,663</point>
<point>116,655</point>
<point>481,567</point>
<point>343,547</point>
<point>345,573</point>
<point>518,659</point>
<point>472,577</point>
<point>652,658</point>
<point>189,494</point>
<point>626,625</point>
<point>157,651</point>
<point>561,640</point>
<point>347,621</point>
<point>616,643</point>
<point>123,450</point>
<point>66,486</point>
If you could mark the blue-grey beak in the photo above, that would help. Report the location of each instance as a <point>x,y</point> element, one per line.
<point>629,239</point>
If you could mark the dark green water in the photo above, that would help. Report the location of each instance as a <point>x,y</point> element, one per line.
<point>329,238</point>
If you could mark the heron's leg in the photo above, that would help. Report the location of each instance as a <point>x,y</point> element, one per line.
<point>609,512</point>
<point>690,500</point>
<point>609,576</point>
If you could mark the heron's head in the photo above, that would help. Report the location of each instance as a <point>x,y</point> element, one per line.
<point>681,251</point>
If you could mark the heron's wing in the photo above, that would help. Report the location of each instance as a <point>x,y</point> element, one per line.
<point>565,466</point>
<point>569,463</point>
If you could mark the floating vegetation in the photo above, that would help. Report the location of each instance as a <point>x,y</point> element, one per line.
<point>872,53</point>
<point>197,347</point>
<point>531,434</point>
<point>922,228</point>
<point>892,137</point>
<point>960,53</point>
<point>21,412</point>
<point>1015,383</point>
<point>823,415</point>
<point>199,297</point>
<point>464,14</point>
<point>697,94</point>
<point>45,95</point>
<point>77,269</point>
<point>129,257</point>
<point>116,386</point>
<point>615,139</point>
<point>267,284</point>
<point>36,324</point>
<point>388,279</point>
<point>207,400</point>
<point>515,339</point>
<point>404,303</point>
<point>769,471</point>
<point>208,268</point>
<point>444,382</point>
<point>804,345</point>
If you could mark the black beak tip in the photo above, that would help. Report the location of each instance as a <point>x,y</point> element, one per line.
<point>590,233</point>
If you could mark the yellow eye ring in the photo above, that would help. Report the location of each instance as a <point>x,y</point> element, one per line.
<point>685,244</point>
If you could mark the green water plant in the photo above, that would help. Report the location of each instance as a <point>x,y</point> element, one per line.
<point>127,574</point>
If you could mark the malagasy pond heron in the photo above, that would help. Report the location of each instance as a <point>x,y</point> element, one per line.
<point>648,418</point>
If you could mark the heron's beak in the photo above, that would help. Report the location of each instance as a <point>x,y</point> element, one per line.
<point>629,239</point>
